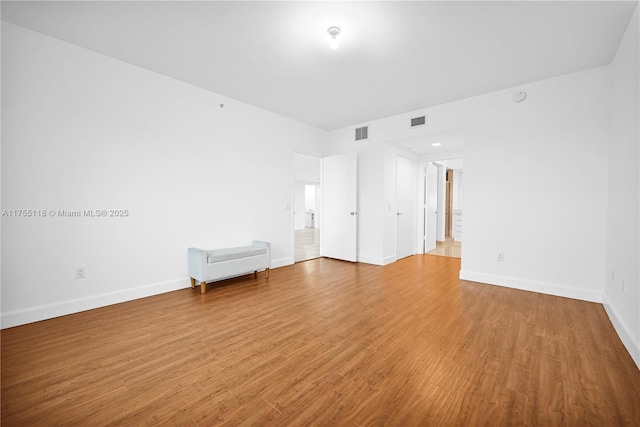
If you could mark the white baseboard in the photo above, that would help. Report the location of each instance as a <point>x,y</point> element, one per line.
<point>49,311</point>
<point>630,342</point>
<point>376,260</point>
<point>370,260</point>
<point>389,260</point>
<point>63,308</point>
<point>533,286</point>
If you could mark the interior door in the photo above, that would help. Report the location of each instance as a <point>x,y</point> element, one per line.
<point>405,204</point>
<point>431,217</point>
<point>339,206</point>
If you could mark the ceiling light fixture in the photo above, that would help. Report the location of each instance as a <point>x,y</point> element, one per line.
<point>436,144</point>
<point>333,32</point>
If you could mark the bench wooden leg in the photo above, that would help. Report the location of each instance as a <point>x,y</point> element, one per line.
<point>193,283</point>
<point>266,273</point>
<point>203,287</point>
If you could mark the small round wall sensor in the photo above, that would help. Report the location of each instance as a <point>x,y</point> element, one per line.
<point>221,105</point>
<point>519,96</point>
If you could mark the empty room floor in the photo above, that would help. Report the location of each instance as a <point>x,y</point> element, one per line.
<point>325,342</point>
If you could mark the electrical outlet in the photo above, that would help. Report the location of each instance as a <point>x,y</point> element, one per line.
<point>80,273</point>
<point>500,256</point>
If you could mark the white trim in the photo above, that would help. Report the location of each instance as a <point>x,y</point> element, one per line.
<point>389,259</point>
<point>533,286</point>
<point>630,342</point>
<point>63,308</point>
<point>373,260</point>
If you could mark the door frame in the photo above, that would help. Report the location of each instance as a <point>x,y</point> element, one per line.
<point>441,165</point>
<point>291,206</point>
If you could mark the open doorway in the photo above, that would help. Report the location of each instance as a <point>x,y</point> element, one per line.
<point>307,231</point>
<point>439,152</point>
<point>448,211</point>
<point>306,207</point>
<point>449,208</point>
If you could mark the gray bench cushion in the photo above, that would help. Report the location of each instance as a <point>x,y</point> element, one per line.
<point>218,255</point>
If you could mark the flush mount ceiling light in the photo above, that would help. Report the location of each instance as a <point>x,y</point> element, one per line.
<point>333,32</point>
<point>436,144</point>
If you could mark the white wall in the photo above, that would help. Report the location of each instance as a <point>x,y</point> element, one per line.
<point>535,186</point>
<point>83,131</point>
<point>622,284</point>
<point>535,183</point>
<point>310,192</point>
<point>458,189</point>
<point>306,168</point>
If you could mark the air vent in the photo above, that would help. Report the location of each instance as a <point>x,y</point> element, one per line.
<point>418,121</point>
<point>362,133</point>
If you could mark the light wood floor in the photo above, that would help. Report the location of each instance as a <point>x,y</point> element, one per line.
<point>325,343</point>
<point>448,247</point>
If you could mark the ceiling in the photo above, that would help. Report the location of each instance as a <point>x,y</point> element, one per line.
<point>449,145</point>
<point>394,56</point>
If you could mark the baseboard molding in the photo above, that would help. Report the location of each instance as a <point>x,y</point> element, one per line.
<point>377,261</point>
<point>63,308</point>
<point>630,342</point>
<point>370,260</point>
<point>533,286</point>
<point>389,260</point>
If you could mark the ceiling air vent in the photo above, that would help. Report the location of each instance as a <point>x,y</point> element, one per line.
<point>418,121</point>
<point>362,133</point>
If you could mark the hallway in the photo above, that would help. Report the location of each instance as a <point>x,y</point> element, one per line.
<point>448,248</point>
<point>307,244</point>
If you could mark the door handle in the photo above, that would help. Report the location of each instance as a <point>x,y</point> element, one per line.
<point>399,213</point>
<point>354,213</point>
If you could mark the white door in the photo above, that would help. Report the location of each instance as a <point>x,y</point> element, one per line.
<point>431,215</point>
<point>339,206</point>
<point>405,206</point>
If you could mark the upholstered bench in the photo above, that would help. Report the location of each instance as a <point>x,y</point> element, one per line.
<point>218,264</point>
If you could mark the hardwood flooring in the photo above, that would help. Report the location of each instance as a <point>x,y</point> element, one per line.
<point>448,247</point>
<point>325,343</point>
